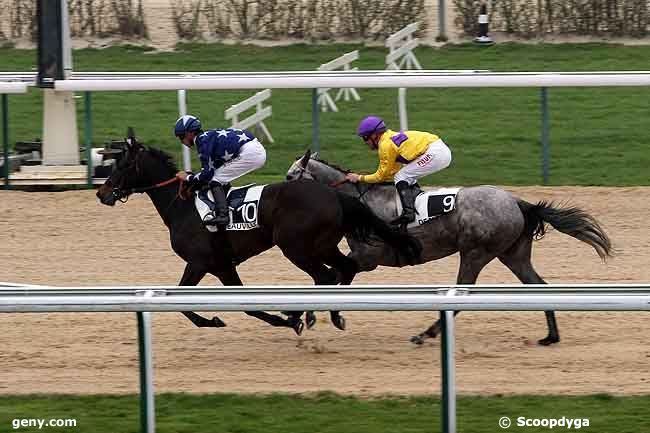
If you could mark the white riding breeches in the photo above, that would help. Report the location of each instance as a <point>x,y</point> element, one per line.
<point>437,157</point>
<point>252,156</point>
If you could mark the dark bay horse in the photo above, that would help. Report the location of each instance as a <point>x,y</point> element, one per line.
<point>487,223</point>
<point>307,220</point>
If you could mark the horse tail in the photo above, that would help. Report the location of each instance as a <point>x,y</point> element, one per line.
<point>361,223</point>
<point>570,220</point>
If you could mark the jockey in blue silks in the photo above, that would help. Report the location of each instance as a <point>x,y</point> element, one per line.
<point>225,154</point>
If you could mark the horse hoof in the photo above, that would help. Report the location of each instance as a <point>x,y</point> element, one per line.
<point>218,323</point>
<point>548,341</point>
<point>417,339</point>
<point>298,327</point>
<point>310,318</point>
<point>340,323</point>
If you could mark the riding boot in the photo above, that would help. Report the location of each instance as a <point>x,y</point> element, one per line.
<point>416,189</point>
<point>407,194</point>
<point>220,215</point>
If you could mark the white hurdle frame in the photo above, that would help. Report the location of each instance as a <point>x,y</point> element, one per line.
<point>400,56</point>
<point>446,299</point>
<point>345,61</point>
<point>401,45</point>
<point>256,119</point>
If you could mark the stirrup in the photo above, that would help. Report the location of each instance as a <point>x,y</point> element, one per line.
<point>212,219</point>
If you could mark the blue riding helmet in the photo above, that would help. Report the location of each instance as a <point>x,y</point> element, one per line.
<point>370,125</point>
<point>185,124</point>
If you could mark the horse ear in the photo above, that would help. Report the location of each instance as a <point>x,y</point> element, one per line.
<point>314,155</point>
<point>132,142</point>
<point>305,159</point>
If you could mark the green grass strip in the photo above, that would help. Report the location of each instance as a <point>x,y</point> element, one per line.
<point>598,135</point>
<point>323,413</point>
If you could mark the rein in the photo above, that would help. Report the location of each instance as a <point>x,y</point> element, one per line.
<point>149,188</point>
<point>338,183</point>
<point>123,194</point>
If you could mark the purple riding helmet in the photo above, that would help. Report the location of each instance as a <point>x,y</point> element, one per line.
<point>369,125</point>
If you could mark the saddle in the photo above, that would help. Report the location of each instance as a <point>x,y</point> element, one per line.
<point>243,204</point>
<point>431,204</point>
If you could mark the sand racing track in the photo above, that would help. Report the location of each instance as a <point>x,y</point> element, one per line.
<point>68,238</point>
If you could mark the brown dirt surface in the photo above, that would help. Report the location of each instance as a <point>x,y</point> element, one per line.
<point>69,239</point>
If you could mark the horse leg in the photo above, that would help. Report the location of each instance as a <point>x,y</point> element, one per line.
<point>230,277</point>
<point>321,276</point>
<point>348,269</point>
<point>472,263</point>
<point>517,259</point>
<point>191,277</point>
<point>310,319</point>
<point>346,266</point>
<point>273,320</point>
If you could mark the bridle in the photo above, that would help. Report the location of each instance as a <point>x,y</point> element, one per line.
<point>301,169</point>
<point>122,194</point>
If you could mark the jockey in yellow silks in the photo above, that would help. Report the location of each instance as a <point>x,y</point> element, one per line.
<point>404,157</point>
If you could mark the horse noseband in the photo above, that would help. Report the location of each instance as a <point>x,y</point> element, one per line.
<point>301,172</point>
<point>119,195</point>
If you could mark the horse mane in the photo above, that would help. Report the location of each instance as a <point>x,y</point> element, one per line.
<point>164,157</point>
<point>346,171</point>
<point>334,166</point>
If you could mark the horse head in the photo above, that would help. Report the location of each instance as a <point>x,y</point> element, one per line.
<point>138,169</point>
<point>300,168</point>
<point>308,166</point>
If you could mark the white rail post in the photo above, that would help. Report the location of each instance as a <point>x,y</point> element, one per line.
<point>182,111</point>
<point>147,409</point>
<point>344,61</point>
<point>60,136</point>
<point>402,110</point>
<point>256,119</point>
<point>400,56</point>
<point>448,369</point>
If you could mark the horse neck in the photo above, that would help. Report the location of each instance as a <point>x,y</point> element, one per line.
<point>323,173</point>
<point>326,174</point>
<point>379,198</point>
<point>166,201</point>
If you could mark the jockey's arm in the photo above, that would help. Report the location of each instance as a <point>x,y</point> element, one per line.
<point>206,173</point>
<point>386,169</point>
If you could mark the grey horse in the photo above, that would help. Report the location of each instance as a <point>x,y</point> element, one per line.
<point>487,223</point>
